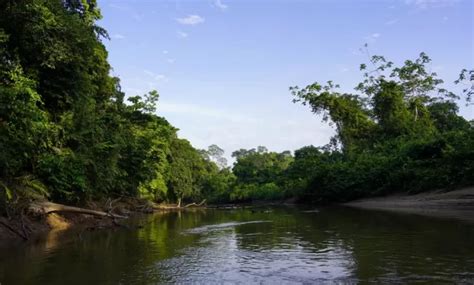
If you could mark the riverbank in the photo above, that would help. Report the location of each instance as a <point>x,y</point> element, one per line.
<point>457,204</point>
<point>42,217</point>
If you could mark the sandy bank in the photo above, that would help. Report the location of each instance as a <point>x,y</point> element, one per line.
<point>457,204</point>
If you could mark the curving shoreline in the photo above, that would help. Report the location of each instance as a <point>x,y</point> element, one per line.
<point>458,204</point>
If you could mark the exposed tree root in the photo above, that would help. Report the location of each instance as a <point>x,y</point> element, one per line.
<point>46,208</point>
<point>10,228</point>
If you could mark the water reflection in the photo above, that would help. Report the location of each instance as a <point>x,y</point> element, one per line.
<point>251,246</point>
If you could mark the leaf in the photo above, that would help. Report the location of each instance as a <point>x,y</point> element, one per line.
<point>8,191</point>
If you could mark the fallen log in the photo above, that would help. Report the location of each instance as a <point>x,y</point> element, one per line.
<point>164,207</point>
<point>176,207</point>
<point>195,205</point>
<point>46,208</point>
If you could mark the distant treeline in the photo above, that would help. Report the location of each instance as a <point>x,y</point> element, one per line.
<point>400,132</point>
<point>68,134</point>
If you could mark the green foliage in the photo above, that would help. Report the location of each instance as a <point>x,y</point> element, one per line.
<point>345,111</point>
<point>64,173</point>
<point>411,138</point>
<point>466,79</point>
<point>67,133</point>
<point>401,133</point>
<point>64,122</point>
<point>24,126</point>
<point>185,163</point>
<point>258,174</point>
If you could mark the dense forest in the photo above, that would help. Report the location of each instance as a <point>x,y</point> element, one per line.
<point>69,134</point>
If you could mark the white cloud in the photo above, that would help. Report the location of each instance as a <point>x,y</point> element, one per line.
<point>138,17</point>
<point>191,20</point>
<point>230,129</point>
<point>391,22</point>
<point>170,60</point>
<point>203,111</point>
<point>438,68</point>
<point>155,76</point>
<point>427,4</point>
<point>354,51</point>
<point>182,35</point>
<point>220,5</point>
<point>118,7</point>
<point>165,52</point>
<point>132,91</point>
<point>118,36</point>
<point>372,38</point>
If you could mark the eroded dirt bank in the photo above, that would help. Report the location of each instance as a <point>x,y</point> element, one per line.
<point>32,224</point>
<point>43,217</point>
<point>457,204</point>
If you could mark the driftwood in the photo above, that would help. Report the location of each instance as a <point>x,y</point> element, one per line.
<point>195,205</point>
<point>164,207</point>
<point>176,207</point>
<point>46,208</point>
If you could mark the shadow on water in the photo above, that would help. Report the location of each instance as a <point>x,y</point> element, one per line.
<point>280,244</point>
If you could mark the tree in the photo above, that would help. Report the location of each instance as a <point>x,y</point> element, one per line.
<point>466,79</point>
<point>353,124</point>
<point>187,168</point>
<point>216,154</point>
<point>258,173</point>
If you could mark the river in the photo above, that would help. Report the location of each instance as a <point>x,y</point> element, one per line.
<point>271,245</point>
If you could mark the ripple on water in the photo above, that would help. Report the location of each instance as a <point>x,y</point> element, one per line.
<point>223,259</point>
<point>334,246</point>
<point>220,227</point>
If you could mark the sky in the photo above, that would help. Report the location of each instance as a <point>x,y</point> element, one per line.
<point>223,68</point>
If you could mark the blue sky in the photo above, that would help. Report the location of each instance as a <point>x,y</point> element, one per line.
<point>223,68</point>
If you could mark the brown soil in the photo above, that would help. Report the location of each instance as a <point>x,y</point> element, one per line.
<point>38,223</point>
<point>34,225</point>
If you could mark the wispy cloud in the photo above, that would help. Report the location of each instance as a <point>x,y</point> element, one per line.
<point>155,76</point>
<point>117,37</point>
<point>220,5</point>
<point>391,22</point>
<point>118,7</point>
<point>372,38</point>
<point>233,129</point>
<point>354,51</point>
<point>165,52</point>
<point>182,35</point>
<point>198,110</point>
<point>427,4</point>
<point>138,17</point>
<point>171,60</point>
<point>191,20</point>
